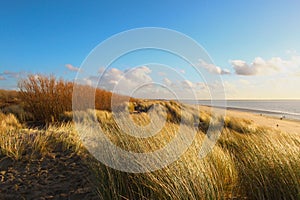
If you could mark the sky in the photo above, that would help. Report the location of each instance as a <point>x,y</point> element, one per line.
<point>254,45</point>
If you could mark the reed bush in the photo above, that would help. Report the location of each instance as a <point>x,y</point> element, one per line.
<point>48,98</point>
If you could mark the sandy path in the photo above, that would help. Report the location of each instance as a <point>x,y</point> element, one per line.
<point>63,175</point>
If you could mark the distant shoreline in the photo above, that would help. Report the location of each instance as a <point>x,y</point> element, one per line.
<point>283,115</point>
<point>285,109</point>
<point>266,120</point>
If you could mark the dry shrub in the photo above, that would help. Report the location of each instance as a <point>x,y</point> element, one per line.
<point>103,100</point>
<point>46,97</point>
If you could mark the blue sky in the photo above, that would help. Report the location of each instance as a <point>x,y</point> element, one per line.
<point>252,39</point>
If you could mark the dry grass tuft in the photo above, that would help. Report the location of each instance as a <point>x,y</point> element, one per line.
<point>11,141</point>
<point>267,163</point>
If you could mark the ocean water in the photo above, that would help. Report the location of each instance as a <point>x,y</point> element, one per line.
<point>289,109</point>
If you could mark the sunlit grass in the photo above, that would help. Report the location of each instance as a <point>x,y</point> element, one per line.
<point>247,162</point>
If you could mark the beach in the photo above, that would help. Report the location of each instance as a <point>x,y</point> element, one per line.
<point>284,125</point>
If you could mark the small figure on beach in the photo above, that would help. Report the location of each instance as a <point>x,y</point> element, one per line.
<point>283,117</point>
<point>277,125</point>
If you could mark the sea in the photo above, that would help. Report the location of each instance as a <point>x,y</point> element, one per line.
<point>289,109</point>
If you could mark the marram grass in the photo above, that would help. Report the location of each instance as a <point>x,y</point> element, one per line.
<point>247,162</point>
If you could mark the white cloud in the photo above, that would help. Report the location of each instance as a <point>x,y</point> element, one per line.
<point>139,83</point>
<point>260,66</point>
<point>124,82</point>
<point>213,68</point>
<point>187,84</point>
<point>10,74</point>
<point>88,82</point>
<point>242,68</point>
<point>72,68</point>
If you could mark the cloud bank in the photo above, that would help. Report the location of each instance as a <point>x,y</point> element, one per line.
<point>214,69</point>
<point>259,66</point>
<point>145,82</point>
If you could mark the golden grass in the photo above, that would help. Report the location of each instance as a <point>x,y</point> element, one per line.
<point>267,163</point>
<point>17,142</point>
<point>247,162</point>
<point>11,141</point>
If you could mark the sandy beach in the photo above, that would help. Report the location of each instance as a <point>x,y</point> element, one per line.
<point>285,125</point>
